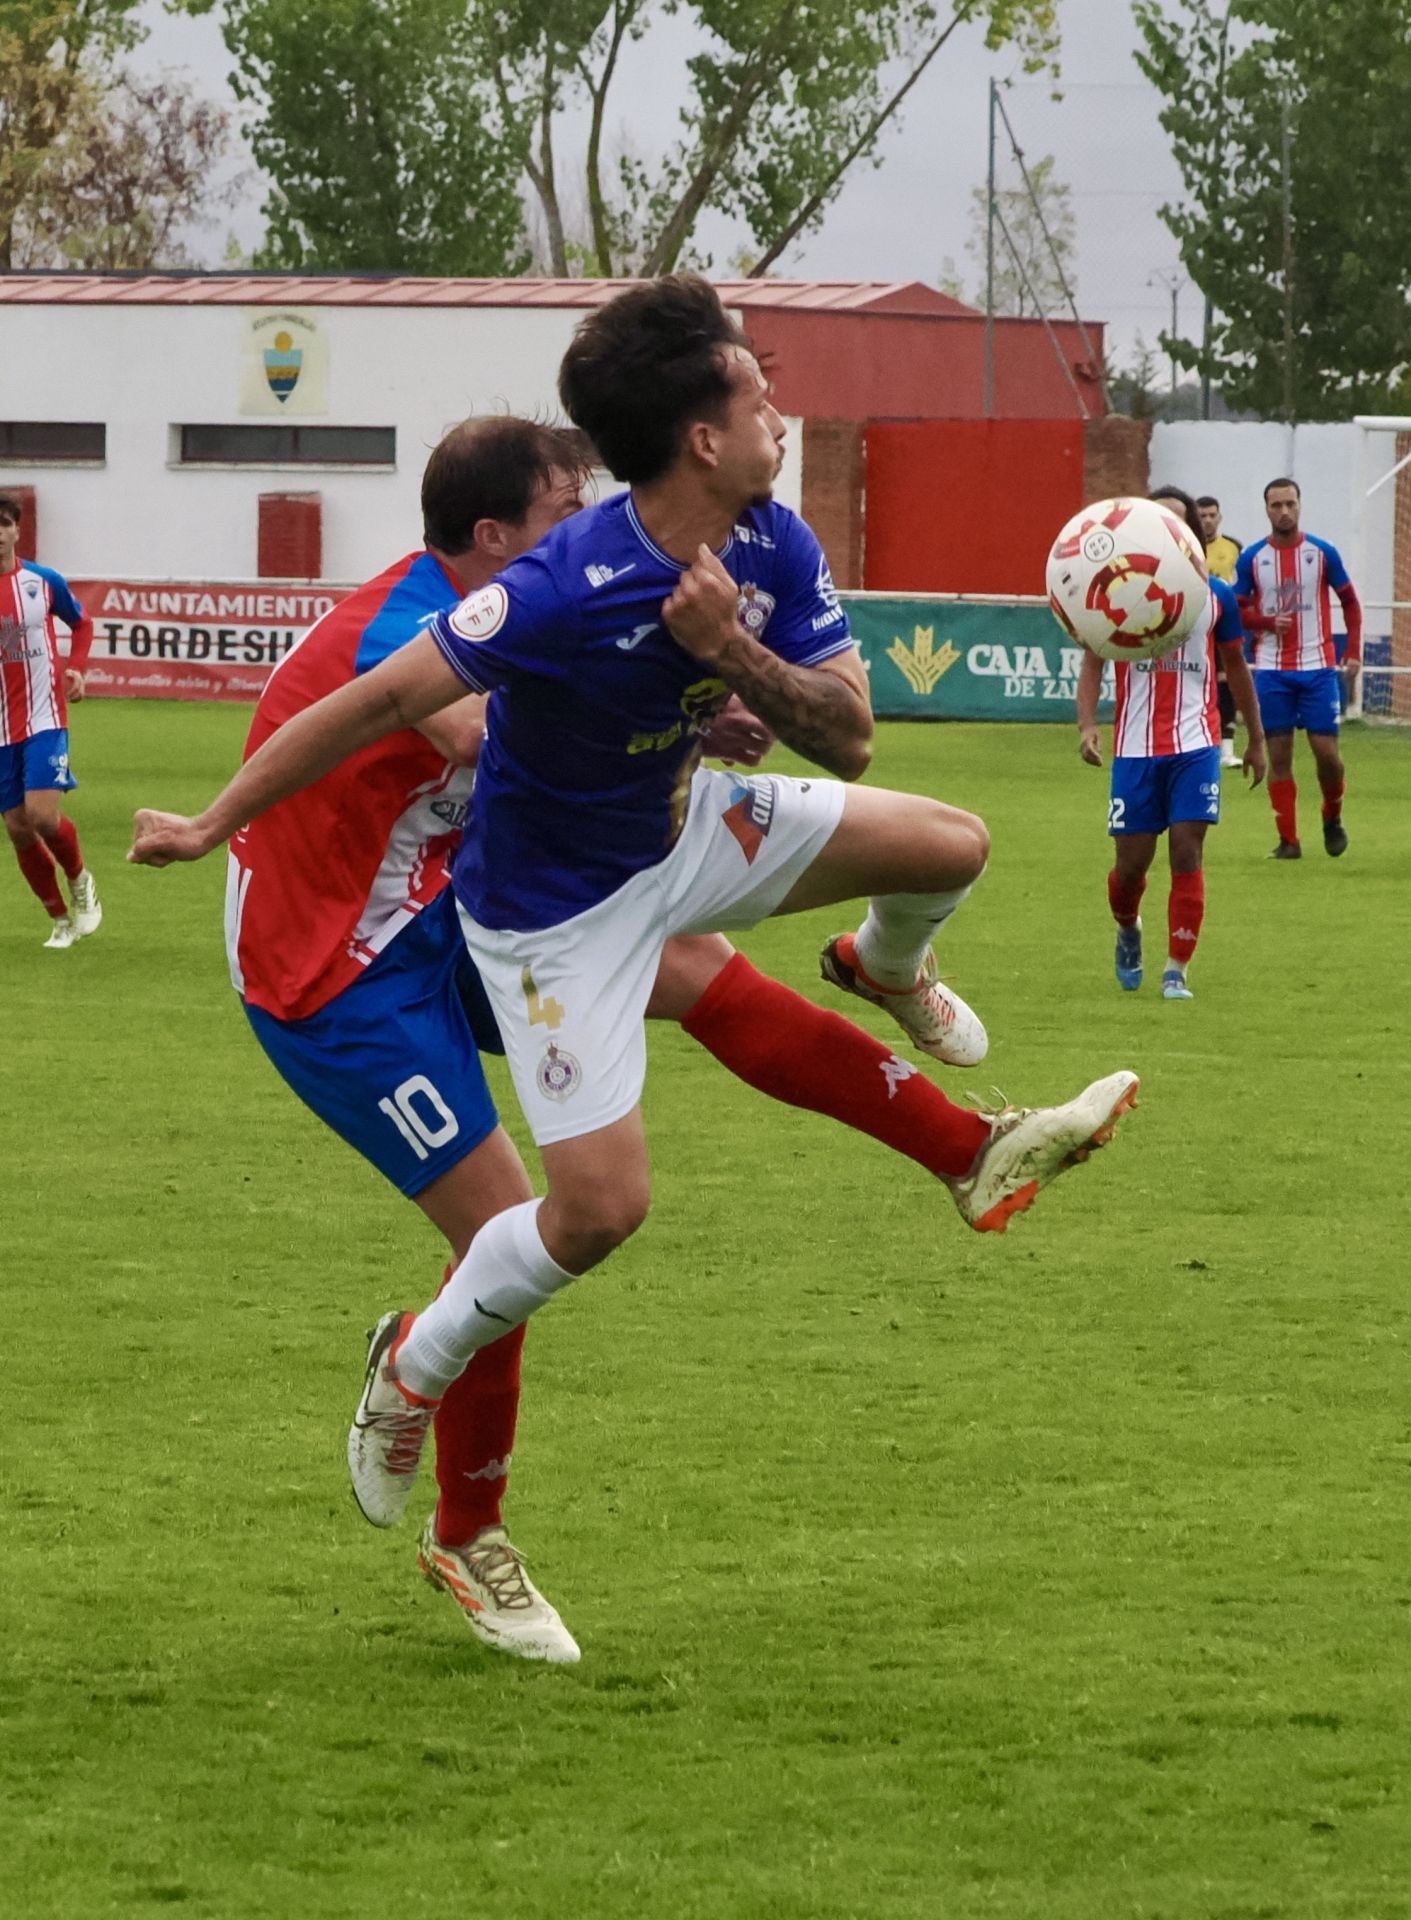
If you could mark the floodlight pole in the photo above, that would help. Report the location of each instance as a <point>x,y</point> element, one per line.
<point>990,264</point>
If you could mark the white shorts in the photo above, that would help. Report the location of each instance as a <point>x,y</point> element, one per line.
<point>571,1000</point>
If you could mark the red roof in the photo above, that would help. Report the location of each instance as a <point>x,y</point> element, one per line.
<point>372,290</point>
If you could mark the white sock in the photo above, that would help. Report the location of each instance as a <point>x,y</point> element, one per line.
<point>507,1275</point>
<point>893,940</point>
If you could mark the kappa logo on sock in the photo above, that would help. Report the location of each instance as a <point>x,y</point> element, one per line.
<point>1184,933</point>
<point>897,1073</point>
<point>492,1470</point>
<point>750,816</point>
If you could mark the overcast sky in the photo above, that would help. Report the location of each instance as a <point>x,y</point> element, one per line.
<point>902,220</point>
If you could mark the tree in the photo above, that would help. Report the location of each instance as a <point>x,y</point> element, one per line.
<point>1309,272</point>
<point>131,169</point>
<point>51,51</point>
<point>1030,273</point>
<point>382,137</point>
<point>782,100</point>
<point>375,125</point>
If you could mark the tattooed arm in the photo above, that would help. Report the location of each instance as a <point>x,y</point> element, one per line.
<point>822,712</point>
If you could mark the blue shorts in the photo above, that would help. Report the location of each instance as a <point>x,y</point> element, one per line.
<point>391,1064</point>
<point>37,765</point>
<point>1149,795</point>
<point>1308,700</point>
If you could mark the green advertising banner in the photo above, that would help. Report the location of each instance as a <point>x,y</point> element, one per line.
<point>931,657</point>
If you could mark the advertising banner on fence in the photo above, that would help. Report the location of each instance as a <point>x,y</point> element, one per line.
<point>202,640</point>
<point>928,658</point>
<point>942,659</point>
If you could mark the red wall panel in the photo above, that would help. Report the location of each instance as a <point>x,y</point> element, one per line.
<point>967,506</point>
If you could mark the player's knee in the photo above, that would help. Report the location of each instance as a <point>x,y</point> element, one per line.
<point>22,834</point>
<point>594,1224</point>
<point>966,844</point>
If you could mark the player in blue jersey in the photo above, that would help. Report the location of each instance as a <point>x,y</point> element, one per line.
<point>596,835</point>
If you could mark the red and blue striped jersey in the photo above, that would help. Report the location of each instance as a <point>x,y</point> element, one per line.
<point>31,667</point>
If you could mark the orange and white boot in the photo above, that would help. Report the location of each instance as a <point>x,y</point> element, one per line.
<point>1030,1146</point>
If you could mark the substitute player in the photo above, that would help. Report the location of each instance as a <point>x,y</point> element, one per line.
<point>1166,768</point>
<point>1285,584</point>
<point>345,948</point>
<point>1221,558</point>
<point>596,835</point>
<point>35,688</point>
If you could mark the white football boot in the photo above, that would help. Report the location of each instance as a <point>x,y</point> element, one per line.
<point>1029,1146</point>
<point>389,1429</point>
<point>937,1020</point>
<point>499,1601</point>
<point>87,910</point>
<point>62,932</point>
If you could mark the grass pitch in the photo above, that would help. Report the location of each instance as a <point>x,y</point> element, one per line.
<point>1060,1575</point>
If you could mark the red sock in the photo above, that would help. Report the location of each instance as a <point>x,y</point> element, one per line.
<point>1125,898</point>
<point>37,866</point>
<point>1333,790</point>
<point>781,1044</point>
<point>1283,798</point>
<point>474,1430</point>
<point>63,844</point>
<point>1185,910</point>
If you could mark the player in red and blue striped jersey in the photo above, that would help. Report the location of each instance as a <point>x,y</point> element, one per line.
<point>35,687</point>
<point>1285,585</point>
<point>1166,768</point>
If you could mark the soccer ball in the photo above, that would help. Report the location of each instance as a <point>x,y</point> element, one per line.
<point>1127,578</point>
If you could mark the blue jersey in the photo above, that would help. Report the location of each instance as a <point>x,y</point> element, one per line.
<point>592,734</point>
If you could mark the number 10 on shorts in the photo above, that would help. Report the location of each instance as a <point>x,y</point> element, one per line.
<point>420,1115</point>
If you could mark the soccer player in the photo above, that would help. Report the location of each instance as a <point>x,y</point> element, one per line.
<point>35,687</point>
<point>1166,769</point>
<point>345,949</point>
<point>1221,552</point>
<point>1221,558</point>
<point>1285,583</point>
<point>596,835</point>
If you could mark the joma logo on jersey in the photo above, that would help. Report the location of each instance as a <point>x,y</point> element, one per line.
<point>750,816</point>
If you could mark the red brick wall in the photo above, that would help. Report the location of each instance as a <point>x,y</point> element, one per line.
<point>1116,457</point>
<point>833,471</point>
<point>290,536</point>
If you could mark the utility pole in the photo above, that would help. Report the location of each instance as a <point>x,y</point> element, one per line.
<point>1173,282</point>
<point>990,264</point>
<point>1286,154</point>
<point>1215,198</point>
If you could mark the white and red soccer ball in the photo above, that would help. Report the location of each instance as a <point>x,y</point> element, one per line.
<point>1127,578</point>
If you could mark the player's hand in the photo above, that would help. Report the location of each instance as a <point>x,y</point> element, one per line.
<point>1090,746</point>
<point>1255,764</point>
<point>73,684</point>
<point>703,612</point>
<point>158,839</point>
<point>1351,675</point>
<point>1283,623</point>
<point>736,736</point>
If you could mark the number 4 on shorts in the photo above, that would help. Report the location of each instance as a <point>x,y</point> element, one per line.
<point>542,1013</point>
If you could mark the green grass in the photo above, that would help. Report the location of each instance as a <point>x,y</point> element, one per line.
<point>1058,1576</point>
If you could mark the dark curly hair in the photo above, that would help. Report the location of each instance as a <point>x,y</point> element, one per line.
<point>1187,502</point>
<point>643,368</point>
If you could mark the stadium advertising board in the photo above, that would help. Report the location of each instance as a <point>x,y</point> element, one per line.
<point>929,658</point>
<point>194,640</point>
<point>946,659</point>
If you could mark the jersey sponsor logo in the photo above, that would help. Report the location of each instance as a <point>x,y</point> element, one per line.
<point>755,607</point>
<point>628,641</point>
<point>481,615</point>
<point>828,619</point>
<point>559,1074</point>
<point>827,592</point>
<point>600,576</point>
<point>750,816</point>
